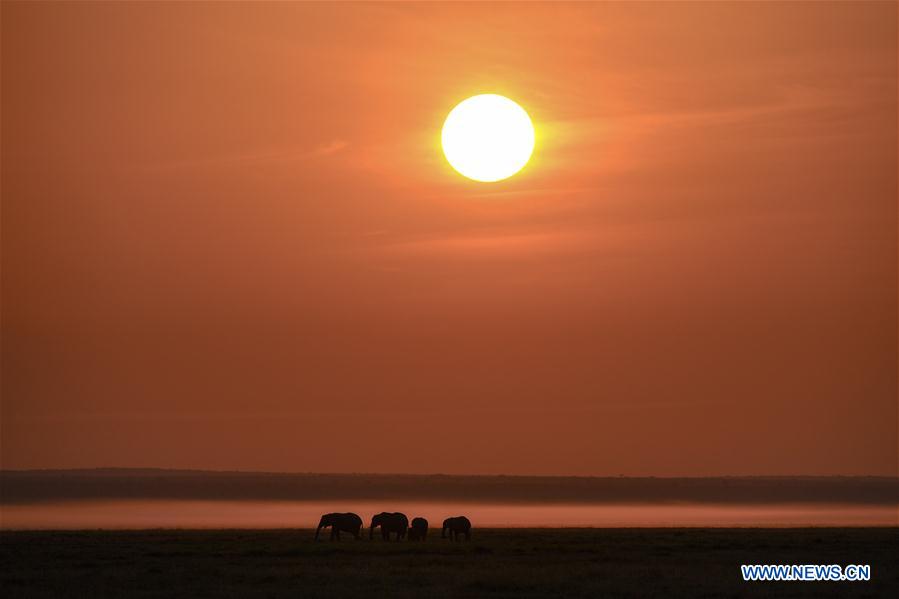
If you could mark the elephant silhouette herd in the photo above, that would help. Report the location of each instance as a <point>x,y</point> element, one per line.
<point>392,523</point>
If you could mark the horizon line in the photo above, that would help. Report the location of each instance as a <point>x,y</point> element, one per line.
<point>123,469</point>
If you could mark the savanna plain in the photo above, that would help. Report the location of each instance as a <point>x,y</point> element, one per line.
<point>628,562</point>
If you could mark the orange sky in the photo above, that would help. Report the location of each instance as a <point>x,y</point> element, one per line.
<point>230,239</point>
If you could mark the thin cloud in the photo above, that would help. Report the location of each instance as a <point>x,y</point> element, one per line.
<point>332,147</point>
<point>327,149</point>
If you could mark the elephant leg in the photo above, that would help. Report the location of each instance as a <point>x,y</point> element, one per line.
<point>384,534</point>
<point>338,535</point>
<point>333,533</point>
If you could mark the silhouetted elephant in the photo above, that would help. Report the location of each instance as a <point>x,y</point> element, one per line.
<point>389,523</point>
<point>419,529</point>
<point>460,525</point>
<point>348,522</point>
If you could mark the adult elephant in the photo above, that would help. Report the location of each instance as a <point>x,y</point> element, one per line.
<point>460,525</point>
<point>418,531</point>
<point>338,522</point>
<point>390,522</point>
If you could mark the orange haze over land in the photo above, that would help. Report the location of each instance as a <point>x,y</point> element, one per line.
<point>230,239</point>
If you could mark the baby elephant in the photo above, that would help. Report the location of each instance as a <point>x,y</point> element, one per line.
<point>419,529</point>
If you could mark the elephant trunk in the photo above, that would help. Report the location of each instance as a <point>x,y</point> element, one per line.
<point>322,523</point>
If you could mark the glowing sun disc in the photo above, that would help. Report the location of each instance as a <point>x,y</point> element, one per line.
<point>488,137</point>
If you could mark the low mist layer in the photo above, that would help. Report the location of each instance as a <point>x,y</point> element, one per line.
<point>250,514</point>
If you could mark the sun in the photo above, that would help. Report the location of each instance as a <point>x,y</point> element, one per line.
<point>488,137</point>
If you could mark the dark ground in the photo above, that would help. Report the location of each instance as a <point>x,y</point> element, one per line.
<point>496,563</point>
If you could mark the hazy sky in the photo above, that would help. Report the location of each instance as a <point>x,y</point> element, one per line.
<point>230,239</point>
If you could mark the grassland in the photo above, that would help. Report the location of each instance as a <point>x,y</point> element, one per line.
<point>496,563</point>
